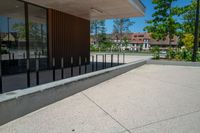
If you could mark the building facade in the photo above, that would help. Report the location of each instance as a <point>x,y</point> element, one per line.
<point>140,41</point>
<point>144,42</point>
<point>49,29</point>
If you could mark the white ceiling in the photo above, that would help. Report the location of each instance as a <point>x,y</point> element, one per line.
<point>95,9</point>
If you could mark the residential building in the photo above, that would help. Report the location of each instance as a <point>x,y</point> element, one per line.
<point>142,42</point>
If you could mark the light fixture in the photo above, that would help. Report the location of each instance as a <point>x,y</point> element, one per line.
<point>96,10</point>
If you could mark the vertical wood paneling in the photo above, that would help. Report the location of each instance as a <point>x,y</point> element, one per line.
<point>69,36</point>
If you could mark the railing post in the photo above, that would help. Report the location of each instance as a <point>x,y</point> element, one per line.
<point>62,68</point>
<point>28,72</point>
<point>39,55</point>
<point>9,56</point>
<point>96,62</point>
<point>54,70</point>
<point>24,55</point>
<point>1,85</point>
<point>123,57</point>
<point>13,56</point>
<point>35,54</point>
<point>80,65</point>
<point>72,65</point>
<point>85,64</point>
<point>92,63</point>
<point>102,61</point>
<point>111,60</point>
<point>37,63</point>
<point>118,59</point>
<point>105,62</point>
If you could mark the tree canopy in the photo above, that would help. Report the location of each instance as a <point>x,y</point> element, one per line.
<point>163,23</point>
<point>98,30</point>
<point>121,27</point>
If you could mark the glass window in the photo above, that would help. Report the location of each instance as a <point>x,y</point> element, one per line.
<point>13,36</point>
<point>12,29</point>
<point>37,31</point>
<point>12,32</point>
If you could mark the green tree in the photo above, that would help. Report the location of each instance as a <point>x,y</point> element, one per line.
<point>156,52</point>
<point>121,27</point>
<point>187,15</point>
<point>125,41</point>
<point>107,45</point>
<point>35,31</point>
<point>163,23</point>
<point>98,30</point>
<point>20,28</point>
<point>188,41</point>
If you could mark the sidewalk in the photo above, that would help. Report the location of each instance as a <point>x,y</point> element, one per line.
<point>150,99</point>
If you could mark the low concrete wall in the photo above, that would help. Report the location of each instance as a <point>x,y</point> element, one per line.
<point>175,63</point>
<point>21,102</point>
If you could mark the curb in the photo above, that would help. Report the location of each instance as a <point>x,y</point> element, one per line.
<point>174,63</point>
<point>21,102</point>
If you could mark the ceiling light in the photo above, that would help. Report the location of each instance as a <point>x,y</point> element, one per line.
<point>96,11</point>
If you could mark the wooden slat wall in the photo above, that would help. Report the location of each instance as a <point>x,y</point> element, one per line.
<point>68,36</point>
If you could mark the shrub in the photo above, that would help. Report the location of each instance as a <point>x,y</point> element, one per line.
<point>156,52</point>
<point>106,46</point>
<point>188,41</point>
<point>93,48</point>
<point>183,54</point>
<point>186,54</point>
<point>171,53</point>
<point>3,51</point>
<point>178,55</point>
<point>198,56</point>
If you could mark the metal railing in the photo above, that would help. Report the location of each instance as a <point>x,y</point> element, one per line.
<point>60,70</point>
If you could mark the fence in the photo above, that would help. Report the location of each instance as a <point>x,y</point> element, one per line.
<point>58,71</point>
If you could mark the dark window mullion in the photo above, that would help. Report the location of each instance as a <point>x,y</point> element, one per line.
<point>27,42</point>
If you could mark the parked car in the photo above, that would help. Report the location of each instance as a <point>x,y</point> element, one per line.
<point>163,52</point>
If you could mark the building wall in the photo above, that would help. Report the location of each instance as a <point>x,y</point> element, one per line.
<point>68,36</point>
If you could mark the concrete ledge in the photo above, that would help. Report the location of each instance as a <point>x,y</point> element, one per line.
<point>21,102</point>
<point>176,63</point>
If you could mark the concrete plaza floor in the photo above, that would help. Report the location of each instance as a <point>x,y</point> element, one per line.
<point>149,99</point>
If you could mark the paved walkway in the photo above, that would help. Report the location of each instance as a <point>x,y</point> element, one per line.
<point>150,99</point>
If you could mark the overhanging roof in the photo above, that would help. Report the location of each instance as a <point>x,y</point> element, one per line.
<point>95,9</point>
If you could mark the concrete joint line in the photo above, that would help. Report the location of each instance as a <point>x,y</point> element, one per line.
<point>126,129</point>
<point>170,83</point>
<point>167,119</point>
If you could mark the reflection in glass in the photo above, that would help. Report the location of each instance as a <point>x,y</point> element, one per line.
<point>13,36</point>
<point>12,30</point>
<point>37,32</point>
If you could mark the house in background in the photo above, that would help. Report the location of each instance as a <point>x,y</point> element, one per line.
<point>164,44</point>
<point>144,41</point>
<point>57,28</point>
<point>140,41</point>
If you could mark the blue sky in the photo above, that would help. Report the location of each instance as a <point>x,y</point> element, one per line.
<point>140,21</point>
